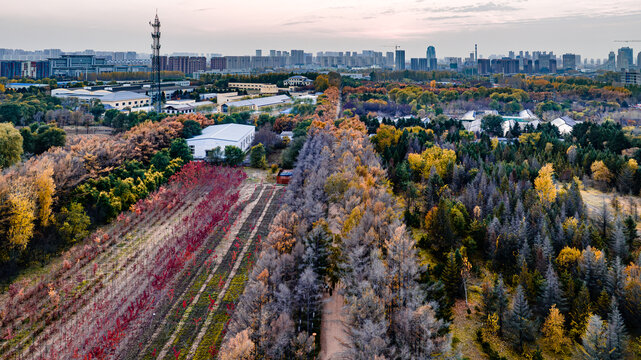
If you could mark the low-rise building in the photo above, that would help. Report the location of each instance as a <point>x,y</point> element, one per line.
<point>120,100</point>
<point>255,87</point>
<point>298,80</point>
<point>565,124</point>
<point>178,109</point>
<point>257,103</point>
<point>221,136</point>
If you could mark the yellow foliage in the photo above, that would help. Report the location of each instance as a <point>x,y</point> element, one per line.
<point>570,223</point>
<point>432,157</point>
<point>633,165</point>
<point>352,220</point>
<point>530,138</point>
<point>600,171</point>
<point>553,330</point>
<point>544,185</point>
<point>386,136</point>
<point>21,220</point>
<point>491,327</point>
<point>45,188</point>
<point>495,143</point>
<point>568,257</point>
<point>2,88</point>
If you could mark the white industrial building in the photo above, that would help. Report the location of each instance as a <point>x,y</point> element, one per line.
<point>257,103</point>
<point>215,136</point>
<point>119,100</point>
<point>565,124</point>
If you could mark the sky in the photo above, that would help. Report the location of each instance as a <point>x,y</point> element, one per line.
<point>585,27</point>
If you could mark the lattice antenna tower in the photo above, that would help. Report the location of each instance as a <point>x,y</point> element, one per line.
<point>156,97</point>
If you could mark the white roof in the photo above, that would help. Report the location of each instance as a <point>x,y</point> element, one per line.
<point>228,132</point>
<point>178,107</point>
<point>123,95</point>
<point>527,114</point>
<point>264,101</point>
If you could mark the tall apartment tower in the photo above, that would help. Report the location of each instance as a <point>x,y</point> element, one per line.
<point>431,57</point>
<point>155,61</point>
<point>400,59</point>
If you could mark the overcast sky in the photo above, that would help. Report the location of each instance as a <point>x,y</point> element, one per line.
<point>586,27</point>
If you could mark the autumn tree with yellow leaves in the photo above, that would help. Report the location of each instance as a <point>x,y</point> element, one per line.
<point>554,332</point>
<point>544,185</point>
<point>434,156</point>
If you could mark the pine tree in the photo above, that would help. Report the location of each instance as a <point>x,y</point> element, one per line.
<point>615,280</point>
<point>630,230</point>
<point>616,337</point>
<point>552,292</point>
<point>618,242</point>
<point>451,277</point>
<point>500,301</point>
<point>593,340</point>
<point>580,312</point>
<point>519,322</point>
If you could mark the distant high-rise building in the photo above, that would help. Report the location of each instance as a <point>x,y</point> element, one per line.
<point>414,65</point>
<point>432,64</point>
<point>218,63</point>
<point>431,52</point>
<point>611,63</point>
<point>569,61</point>
<point>259,52</point>
<point>400,60</point>
<point>298,57</point>
<point>484,66</point>
<point>389,58</point>
<point>422,64</point>
<point>511,54</point>
<point>624,58</point>
<point>639,60</point>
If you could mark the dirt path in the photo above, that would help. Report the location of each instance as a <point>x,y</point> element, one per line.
<point>333,335</point>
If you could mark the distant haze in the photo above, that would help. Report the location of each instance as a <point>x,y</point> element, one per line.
<point>585,27</point>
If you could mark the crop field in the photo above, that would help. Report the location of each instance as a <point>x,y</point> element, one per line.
<point>160,282</point>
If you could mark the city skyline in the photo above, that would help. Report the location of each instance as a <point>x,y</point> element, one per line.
<point>453,27</point>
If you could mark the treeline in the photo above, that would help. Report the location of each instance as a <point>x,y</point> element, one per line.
<point>340,230</point>
<point>555,272</point>
<point>103,174</point>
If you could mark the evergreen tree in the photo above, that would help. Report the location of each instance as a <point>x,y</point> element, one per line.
<point>552,291</point>
<point>580,312</point>
<point>615,280</point>
<point>451,276</point>
<point>630,230</point>
<point>618,241</point>
<point>500,301</point>
<point>593,340</point>
<point>519,323</point>
<point>615,334</point>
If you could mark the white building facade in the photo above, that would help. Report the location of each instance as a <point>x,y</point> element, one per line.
<point>238,135</point>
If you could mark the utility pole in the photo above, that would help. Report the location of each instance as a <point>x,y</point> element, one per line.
<point>155,61</point>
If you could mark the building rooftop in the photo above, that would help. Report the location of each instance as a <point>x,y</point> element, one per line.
<point>229,132</point>
<point>121,96</point>
<point>264,101</point>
